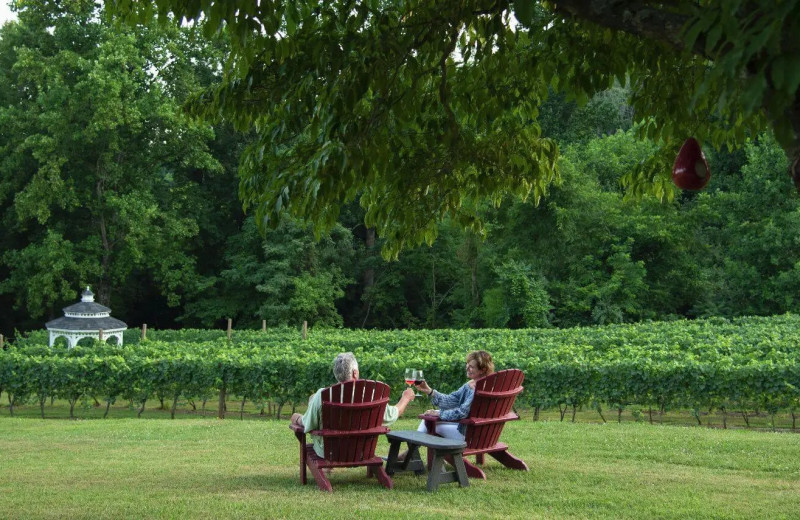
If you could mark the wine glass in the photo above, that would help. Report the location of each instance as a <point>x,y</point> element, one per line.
<point>410,376</point>
<point>419,378</point>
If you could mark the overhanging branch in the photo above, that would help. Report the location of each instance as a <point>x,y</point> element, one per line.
<point>637,18</point>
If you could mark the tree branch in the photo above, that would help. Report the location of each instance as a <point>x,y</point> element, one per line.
<point>637,18</point>
<point>451,117</point>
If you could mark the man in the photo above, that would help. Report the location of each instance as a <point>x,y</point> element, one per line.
<point>345,368</point>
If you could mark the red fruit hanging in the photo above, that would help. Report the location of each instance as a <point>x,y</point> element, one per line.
<point>690,171</point>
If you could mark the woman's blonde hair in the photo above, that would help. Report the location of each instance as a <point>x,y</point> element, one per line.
<point>483,359</point>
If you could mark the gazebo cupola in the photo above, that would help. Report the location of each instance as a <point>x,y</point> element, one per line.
<point>85,319</point>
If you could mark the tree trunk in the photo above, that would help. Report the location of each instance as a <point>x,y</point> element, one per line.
<point>221,409</point>
<point>433,292</point>
<point>102,288</point>
<point>144,401</point>
<point>472,244</point>
<point>241,409</point>
<point>174,404</point>
<point>574,411</point>
<point>368,278</point>
<point>108,406</point>
<point>794,166</point>
<point>41,404</point>
<point>562,411</point>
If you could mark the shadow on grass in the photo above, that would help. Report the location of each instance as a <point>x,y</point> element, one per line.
<point>344,479</point>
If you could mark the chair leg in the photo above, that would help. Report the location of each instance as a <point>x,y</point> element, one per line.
<point>322,481</point>
<point>383,477</point>
<point>508,460</point>
<point>473,471</point>
<point>480,459</point>
<point>303,462</point>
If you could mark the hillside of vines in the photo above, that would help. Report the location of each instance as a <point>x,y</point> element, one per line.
<point>742,365</point>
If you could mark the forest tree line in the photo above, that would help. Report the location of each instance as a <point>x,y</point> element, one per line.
<point>105,182</point>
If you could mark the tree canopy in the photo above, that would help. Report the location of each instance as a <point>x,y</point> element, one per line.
<point>420,109</point>
<point>104,182</point>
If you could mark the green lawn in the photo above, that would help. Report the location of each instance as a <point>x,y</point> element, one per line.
<point>197,467</point>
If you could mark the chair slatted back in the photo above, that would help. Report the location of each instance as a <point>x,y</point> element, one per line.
<point>494,399</point>
<point>352,417</point>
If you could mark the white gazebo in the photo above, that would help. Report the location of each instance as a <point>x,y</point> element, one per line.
<point>85,319</point>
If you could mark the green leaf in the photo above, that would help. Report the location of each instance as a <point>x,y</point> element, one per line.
<point>523,12</point>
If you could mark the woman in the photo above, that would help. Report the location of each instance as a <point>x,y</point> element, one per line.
<point>455,406</point>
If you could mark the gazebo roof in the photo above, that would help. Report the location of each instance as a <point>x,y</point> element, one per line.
<point>85,324</point>
<point>85,316</point>
<point>87,308</point>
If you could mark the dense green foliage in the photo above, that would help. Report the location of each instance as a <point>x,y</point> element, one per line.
<point>744,365</point>
<point>102,177</point>
<point>422,108</point>
<point>104,182</point>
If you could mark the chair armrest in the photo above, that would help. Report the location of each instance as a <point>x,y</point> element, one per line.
<point>350,433</point>
<point>296,428</point>
<point>510,416</point>
<point>433,418</point>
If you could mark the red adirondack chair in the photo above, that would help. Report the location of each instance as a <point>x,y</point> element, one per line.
<point>352,417</point>
<point>491,409</point>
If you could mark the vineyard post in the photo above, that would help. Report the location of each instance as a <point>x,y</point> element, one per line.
<point>263,325</point>
<point>144,331</point>
<point>1,342</point>
<point>305,329</point>
<point>230,325</point>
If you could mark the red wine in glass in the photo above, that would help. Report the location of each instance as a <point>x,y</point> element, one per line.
<point>418,378</point>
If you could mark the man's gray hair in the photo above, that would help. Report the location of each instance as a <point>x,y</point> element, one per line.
<point>343,366</point>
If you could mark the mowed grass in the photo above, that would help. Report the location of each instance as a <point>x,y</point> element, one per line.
<point>195,467</point>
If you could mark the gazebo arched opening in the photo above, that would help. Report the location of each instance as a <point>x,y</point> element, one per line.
<point>61,342</point>
<point>85,341</point>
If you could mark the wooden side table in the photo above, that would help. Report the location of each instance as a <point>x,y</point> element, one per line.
<point>439,448</point>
